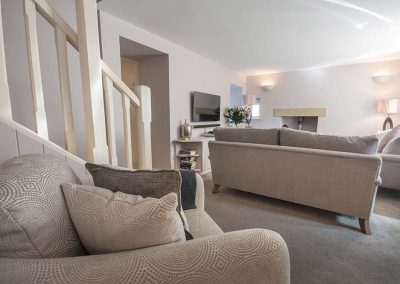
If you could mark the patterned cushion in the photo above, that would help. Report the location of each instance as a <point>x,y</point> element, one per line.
<point>112,222</point>
<point>145,183</point>
<point>33,215</point>
<point>393,147</point>
<point>247,135</point>
<point>391,134</point>
<point>305,139</point>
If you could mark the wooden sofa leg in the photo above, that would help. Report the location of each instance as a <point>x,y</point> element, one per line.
<point>215,189</point>
<point>364,225</point>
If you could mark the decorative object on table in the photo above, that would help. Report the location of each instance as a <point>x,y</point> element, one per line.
<point>234,115</point>
<point>208,133</point>
<point>247,116</point>
<point>186,131</point>
<point>388,106</point>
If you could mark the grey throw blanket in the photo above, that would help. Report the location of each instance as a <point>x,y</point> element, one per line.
<point>188,189</point>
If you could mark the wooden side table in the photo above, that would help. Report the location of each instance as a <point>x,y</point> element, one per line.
<point>200,144</point>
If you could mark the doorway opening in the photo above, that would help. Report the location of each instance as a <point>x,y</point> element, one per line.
<point>143,65</point>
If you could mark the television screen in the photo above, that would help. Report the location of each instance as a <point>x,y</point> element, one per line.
<point>205,107</point>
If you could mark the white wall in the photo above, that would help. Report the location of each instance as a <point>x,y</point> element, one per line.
<point>153,72</point>
<point>347,92</point>
<point>187,71</point>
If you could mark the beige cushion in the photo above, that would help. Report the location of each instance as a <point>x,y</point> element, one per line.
<point>393,147</point>
<point>247,135</point>
<point>145,183</point>
<point>111,222</point>
<point>305,139</point>
<point>394,133</point>
<point>34,220</point>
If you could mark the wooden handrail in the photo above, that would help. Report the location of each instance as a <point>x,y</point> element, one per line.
<point>55,20</point>
<point>119,84</point>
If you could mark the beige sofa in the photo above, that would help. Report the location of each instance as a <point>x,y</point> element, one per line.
<point>248,256</point>
<point>337,181</point>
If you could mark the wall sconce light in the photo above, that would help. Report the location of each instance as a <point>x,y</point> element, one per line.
<point>268,87</point>
<point>381,79</point>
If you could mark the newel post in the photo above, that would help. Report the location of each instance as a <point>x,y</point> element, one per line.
<point>89,53</point>
<point>5,103</point>
<point>144,127</point>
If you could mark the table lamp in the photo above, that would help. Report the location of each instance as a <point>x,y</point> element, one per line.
<point>388,106</point>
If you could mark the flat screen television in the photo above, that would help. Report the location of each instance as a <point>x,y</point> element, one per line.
<point>205,107</point>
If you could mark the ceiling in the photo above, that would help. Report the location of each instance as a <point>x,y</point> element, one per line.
<point>267,36</point>
<point>136,51</point>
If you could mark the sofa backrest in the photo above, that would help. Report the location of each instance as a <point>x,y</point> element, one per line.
<point>331,180</point>
<point>33,215</point>
<point>305,139</point>
<point>247,135</point>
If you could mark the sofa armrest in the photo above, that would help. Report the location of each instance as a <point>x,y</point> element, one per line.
<point>199,192</point>
<point>249,256</point>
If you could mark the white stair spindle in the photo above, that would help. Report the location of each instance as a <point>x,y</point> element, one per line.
<point>126,106</point>
<point>110,119</point>
<point>63,73</point>
<point>34,69</point>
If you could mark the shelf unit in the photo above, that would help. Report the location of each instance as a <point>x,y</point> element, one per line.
<point>200,144</point>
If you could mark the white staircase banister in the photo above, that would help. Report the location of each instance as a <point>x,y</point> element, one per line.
<point>56,20</point>
<point>119,84</point>
<point>97,77</point>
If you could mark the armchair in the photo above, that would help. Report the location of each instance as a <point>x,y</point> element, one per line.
<point>248,256</point>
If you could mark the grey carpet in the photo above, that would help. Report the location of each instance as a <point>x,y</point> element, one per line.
<point>324,247</point>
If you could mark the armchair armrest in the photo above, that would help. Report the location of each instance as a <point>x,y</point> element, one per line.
<point>199,192</point>
<point>249,256</point>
